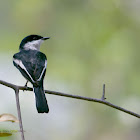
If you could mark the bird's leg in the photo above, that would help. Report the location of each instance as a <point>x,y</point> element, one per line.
<point>26,85</point>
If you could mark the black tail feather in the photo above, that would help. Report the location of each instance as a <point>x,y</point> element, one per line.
<point>41,102</point>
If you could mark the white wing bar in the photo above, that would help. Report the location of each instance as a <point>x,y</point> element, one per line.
<point>19,63</point>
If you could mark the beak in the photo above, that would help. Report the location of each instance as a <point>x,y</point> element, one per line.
<point>45,38</point>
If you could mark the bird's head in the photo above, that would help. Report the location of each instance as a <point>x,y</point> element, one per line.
<point>32,42</point>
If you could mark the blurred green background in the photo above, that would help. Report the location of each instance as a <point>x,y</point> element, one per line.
<point>92,42</point>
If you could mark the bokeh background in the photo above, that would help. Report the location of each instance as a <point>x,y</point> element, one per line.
<point>92,42</point>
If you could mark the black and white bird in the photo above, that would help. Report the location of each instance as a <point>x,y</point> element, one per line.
<point>32,64</point>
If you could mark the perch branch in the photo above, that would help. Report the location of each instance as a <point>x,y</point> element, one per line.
<point>76,97</point>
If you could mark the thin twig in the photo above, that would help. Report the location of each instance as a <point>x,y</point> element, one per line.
<point>19,113</point>
<point>103,96</point>
<point>75,97</point>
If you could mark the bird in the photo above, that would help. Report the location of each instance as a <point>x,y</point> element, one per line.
<point>32,64</point>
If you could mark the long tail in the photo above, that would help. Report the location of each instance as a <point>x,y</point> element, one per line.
<point>41,102</point>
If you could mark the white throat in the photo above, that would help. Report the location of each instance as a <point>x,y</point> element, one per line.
<point>34,45</point>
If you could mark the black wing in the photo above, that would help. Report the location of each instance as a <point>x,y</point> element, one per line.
<point>32,64</point>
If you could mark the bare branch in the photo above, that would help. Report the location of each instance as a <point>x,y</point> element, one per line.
<point>16,89</point>
<point>19,113</point>
<point>75,97</point>
<point>93,100</point>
